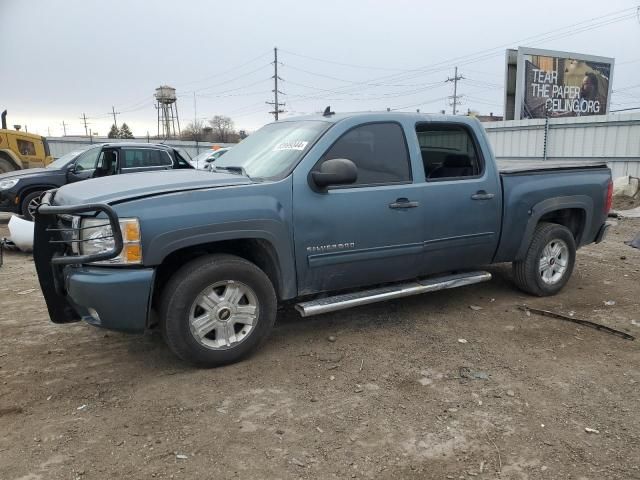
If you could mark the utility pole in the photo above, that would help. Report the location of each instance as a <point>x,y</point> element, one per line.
<point>64,128</point>
<point>84,119</point>
<point>276,105</point>
<point>113,109</point>
<point>196,133</point>
<point>455,97</point>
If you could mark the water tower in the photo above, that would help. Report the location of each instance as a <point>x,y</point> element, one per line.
<point>167,111</point>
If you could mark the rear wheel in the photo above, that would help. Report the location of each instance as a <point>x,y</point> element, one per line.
<point>549,261</point>
<point>217,309</point>
<point>30,204</point>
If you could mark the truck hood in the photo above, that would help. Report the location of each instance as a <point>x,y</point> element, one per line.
<point>129,186</point>
<point>30,172</point>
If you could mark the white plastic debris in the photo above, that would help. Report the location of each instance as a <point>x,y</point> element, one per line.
<point>21,232</point>
<point>181,457</point>
<point>609,303</point>
<point>633,213</point>
<point>591,430</point>
<point>625,186</point>
<point>462,340</point>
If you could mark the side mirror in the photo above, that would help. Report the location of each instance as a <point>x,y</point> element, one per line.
<point>71,168</point>
<point>337,171</point>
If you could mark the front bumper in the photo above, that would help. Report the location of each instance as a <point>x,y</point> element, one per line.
<point>112,298</point>
<point>8,201</point>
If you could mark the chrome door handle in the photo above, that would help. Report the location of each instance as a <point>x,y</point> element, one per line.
<point>482,195</point>
<point>403,203</point>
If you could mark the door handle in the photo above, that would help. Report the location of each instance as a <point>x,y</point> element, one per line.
<point>482,195</point>
<point>403,203</point>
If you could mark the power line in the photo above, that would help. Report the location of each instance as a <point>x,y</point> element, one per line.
<point>584,26</point>
<point>231,80</point>
<point>221,74</point>
<point>366,67</point>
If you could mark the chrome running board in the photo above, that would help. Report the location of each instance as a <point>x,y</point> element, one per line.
<point>348,300</point>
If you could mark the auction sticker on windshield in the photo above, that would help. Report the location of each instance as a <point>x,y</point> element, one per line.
<point>294,145</point>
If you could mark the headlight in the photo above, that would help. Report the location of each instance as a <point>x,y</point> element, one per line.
<point>7,184</point>
<point>98,238</point>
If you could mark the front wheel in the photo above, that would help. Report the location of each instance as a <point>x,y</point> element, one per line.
<point>549,261</point>
<point>217,309</point>
<point>30,204</point>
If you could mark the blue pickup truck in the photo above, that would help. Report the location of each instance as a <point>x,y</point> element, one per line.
<point>325,212</point>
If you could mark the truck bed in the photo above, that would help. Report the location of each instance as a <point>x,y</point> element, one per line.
<point>529,166</point>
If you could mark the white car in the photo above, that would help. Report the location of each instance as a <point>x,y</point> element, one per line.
<point>204,160</point>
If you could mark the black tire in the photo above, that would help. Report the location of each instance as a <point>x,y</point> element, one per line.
<point>527,273</point>
<point>6,166</point>
<point>24,206</point>
<point>187,284</point>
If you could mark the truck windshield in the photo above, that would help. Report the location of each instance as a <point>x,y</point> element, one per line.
<point>274,149</point>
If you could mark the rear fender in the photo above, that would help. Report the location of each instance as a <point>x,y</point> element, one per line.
<point>578,202</point>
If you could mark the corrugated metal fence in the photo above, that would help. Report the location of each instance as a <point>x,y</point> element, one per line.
<point>62,145</point>
<point>613,138</point>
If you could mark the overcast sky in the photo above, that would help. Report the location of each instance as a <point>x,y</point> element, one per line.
<point>62,58</point>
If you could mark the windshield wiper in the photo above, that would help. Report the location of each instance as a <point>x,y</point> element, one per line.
<point>232,169</point>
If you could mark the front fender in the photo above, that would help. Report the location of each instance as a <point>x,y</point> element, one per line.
<point>181,220</point>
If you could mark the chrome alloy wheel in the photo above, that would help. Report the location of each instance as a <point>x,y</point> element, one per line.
<point>33,206</point>
<point>553,261</point>
<point>223,315</point>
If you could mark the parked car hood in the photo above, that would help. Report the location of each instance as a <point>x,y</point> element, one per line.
<point>134,185</point>
<point>29,172</point>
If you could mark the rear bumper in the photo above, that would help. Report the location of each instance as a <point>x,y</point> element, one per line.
<point>111,298</point>
<point>602,232</point>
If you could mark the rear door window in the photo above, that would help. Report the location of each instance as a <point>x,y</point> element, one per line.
<point>379,150</point>
<point>448,152</point>
<point>145,158</point>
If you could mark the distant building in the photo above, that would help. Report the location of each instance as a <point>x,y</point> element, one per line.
<point>490,118</point>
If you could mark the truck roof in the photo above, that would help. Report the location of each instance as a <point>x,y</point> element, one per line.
<point>384,115</point>
<point>22,133</point>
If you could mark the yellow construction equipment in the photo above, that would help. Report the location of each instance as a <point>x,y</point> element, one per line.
<point>20,150</point>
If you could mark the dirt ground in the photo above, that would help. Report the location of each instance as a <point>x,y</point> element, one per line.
<point>626,203</point>
<point>397,394</point>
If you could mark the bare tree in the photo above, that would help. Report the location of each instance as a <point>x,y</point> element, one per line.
<point>193,131</point>
<point>222,128</point>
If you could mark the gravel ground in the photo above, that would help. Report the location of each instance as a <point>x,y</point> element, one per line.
<point>396,393</point>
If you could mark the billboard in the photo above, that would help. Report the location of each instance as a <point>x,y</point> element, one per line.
<point>559,84</point>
